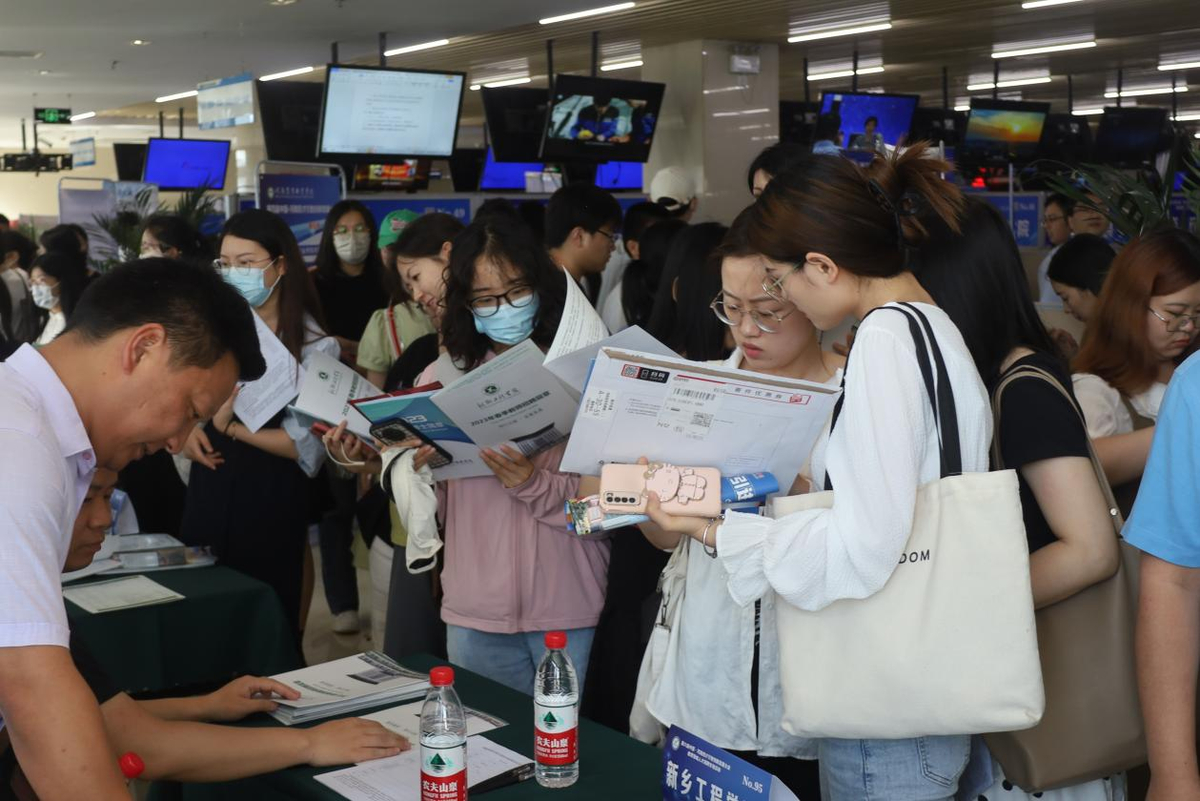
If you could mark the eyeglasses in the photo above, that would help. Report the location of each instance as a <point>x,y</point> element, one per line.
<point>244,263</point>
<point>518,296</point>
<point>360,228</point>
<point>614,238</point>
<point>1176,321</point>
<point>766,320</point>
<point>774,286</point>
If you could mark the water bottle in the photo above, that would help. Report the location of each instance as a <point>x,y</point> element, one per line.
<point>443,740</point>
<point>556,715</point>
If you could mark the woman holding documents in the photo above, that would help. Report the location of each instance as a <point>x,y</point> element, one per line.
<point>736,644</point>
<point>835,240</point>
<point>247,493</point>
<point>512,571</point>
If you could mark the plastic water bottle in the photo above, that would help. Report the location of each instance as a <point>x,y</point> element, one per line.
<point>556,715</point>
<point>443,740</point>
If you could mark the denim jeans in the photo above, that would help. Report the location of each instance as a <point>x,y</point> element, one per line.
<point>918,769</point>
<point>512,659</point>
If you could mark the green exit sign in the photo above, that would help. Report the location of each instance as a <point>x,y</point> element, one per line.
<point>53,116</point>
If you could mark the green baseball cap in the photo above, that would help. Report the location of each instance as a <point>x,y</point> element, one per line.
<point>393,225</point>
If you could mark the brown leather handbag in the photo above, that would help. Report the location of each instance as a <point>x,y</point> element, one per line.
<point>1092,727</point>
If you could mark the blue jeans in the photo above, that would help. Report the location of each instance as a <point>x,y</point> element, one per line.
<point>512,659</point>
<point>918,769</point>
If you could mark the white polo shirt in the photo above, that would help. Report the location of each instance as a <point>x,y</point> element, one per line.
<point>46,466</point>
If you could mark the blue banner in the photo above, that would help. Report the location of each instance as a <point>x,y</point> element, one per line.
<point>1025,219</point>
<point>695,770</point>
<point>303,201</point>
<point>1182,212</point>
<point>459,207</point>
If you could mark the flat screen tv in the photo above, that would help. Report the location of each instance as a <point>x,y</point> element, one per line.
<point>466,168</point>
<point>937,125</point>
<point>1067,139</point>
<point>798,121</point>
<point>516,121</point>
<point>1132,136</point>
<point>178,164</point>
<point>601,119</point>
<point>620,175</point>
<point>892,115</point>
<point>408,175</point>
<point>1003,131</point>
<point>506,175</point>
<point>291,118</point>
<point>131,158</point>
<point>382,115</point>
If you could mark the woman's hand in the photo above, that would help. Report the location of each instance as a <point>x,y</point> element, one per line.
<point>677,524</point>
<point>199,449</point>
<point>224,415</point>
<point>343,742</point>
<point>511,467</point>
<point>245,696</point>
<point>348,450</point>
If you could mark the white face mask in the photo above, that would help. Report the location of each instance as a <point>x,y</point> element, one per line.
<point>353,246</point>
<point>43,296</point>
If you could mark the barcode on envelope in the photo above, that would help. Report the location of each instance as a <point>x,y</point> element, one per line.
<point>539,441</point>
<point>695,394</point>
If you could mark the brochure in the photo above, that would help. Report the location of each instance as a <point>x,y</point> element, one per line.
<point>347,685</point>
<point>406,720</point>
<point>261,400</point>
<point>327,391</point>
<point>121,593</point>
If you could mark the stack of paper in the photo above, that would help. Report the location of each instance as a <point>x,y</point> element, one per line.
<point>347,685</point>
<point>406,720</point>
<point>121,593</point>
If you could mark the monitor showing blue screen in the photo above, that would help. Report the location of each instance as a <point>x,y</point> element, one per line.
<point>893,115</point>
<point>620,175</point>
<point>506,174</point>
<point>176,164</point>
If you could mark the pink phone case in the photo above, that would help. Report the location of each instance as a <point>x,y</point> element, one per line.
<point>687,491</point>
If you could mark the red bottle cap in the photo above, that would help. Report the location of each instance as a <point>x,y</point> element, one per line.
<point>556,639</point>
<point>441,676</point>
<point>132,765</point>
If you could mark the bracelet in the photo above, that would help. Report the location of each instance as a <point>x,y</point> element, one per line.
<point>710,550</point>
<point>229,427</point>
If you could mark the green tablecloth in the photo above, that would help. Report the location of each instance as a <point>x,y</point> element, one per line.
<point>227,625</point>
<point>614,767</point>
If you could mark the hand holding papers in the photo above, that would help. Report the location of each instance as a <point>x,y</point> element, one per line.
<point>347,685</point>
<point>261,400</point>
<point>327,390</point>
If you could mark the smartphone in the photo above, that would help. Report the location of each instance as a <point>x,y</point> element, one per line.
<point>686,491</point>
<point>320,429</point>
<point>393,432</point>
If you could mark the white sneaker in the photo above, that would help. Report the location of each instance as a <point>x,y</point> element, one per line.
<point>346,622</point>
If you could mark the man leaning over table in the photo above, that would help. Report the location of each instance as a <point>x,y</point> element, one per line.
<point>153,348</point>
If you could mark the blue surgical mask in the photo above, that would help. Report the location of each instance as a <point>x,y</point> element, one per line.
<point>250,283</point>
<point>510,324</point>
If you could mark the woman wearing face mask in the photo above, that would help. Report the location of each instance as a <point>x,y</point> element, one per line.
<point>56,281</point>
<point>171,236</point>
<point>836,239</point>
<point>246,493</point>
<point>522,574</point>
<point>1145,322</point>
<point>742,711</point>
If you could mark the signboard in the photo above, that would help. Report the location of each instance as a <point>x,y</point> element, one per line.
<point>83,152</point>
<point>1024,216</point>
<point>226,102</point>
<point>1181,211</point>
<point>459,207</point>
<point>52,116</point>
<point>303,201</point>
<point>696,770</point>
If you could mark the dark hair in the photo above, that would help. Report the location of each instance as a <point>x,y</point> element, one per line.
<point>497,205</point>
<point>1062,201</point>
<point>976,276</point>
<point>297,294</point>
<point>533,212</point>
<point>776,159</point>
<point>579,206</point>
<point>174,231</point>
<point>862,218</point>
<point>63,238</point>
<point>203,316</point>
<point>642,280</point>
<point>328,263</point>
<point>1115,346</point>
<point>684,323</point>
<point>499,239</point>
<point>639,217</point>
<point>15,240</point>
<point>421,238</point>
<point>871,119</point>
<point>4,221</point>
<point>68,270</point>
<point>1082,262</point>
<point>6,328</point>
<point>828,126</point>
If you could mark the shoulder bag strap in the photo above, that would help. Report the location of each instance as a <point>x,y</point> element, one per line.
<point>394,336</point>
<point>1029,371</point>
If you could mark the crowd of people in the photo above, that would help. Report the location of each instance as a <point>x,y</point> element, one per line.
<point>132,385</point>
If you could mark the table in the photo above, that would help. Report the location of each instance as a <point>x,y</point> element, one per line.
<point>614,766</point>
<point>227,625</point>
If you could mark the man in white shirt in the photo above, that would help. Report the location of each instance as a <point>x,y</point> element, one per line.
<point>152,348</point>
<point>1054,221</point>
<point>582,227</point>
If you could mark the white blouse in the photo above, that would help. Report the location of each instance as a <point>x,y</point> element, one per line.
<point>1104,410</point>
<point>884,447</point>
<point>55,324</point>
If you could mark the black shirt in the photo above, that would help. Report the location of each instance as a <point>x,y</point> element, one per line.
<point>1037,423</point>
<point>349,302</point>
<point>420,353</point>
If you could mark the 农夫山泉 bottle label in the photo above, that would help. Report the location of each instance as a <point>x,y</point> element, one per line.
<point>444,773</point>
<point>556,734</point>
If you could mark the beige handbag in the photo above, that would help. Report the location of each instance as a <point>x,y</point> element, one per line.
<point>1093,724</point>
<point>948,646</point>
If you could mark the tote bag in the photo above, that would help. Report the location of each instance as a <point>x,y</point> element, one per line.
<point>948,645</point>
<point>1093,722</point>
<point>660,661</point>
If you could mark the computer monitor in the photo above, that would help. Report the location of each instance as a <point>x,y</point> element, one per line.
<point>179,164</point>
<point>937,125</point>
<point>291,118</point>
<point>1131,136</point>
<point>466,168</point>
<point>1067,139</point>
<point>516,122</point>
<point>798,121</point>
<point>499,176</point>
<point>408,175</point>
<point>382,115</point>
<point>601,119</point>
<point>621,175</point>
<point>1003,131</point>
<point>131,158</point>
<point>892,115</point>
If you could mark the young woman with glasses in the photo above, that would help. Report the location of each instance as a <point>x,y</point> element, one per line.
<point>1144,324</point>
<point>836,240</point>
